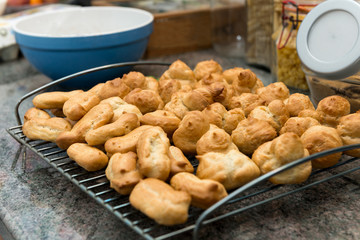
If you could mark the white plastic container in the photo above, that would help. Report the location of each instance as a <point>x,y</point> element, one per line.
<point>328,45</point>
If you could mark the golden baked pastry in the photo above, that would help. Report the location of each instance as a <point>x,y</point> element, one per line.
<point>273,91</point>
<point>49,100</point>
<point>87,157</point>
<point>298,102</point>
<point>310,113</point>
<point>232,169</point>
<point>176,105</point>
<point>160,202</point>
<point>145,100</point>
<point>224,93</point>
<point>275,113</point>
<point>153,152</point>
<point>245,82</point>
<point>199,98</point>
<point>298,125</point>
<point>152,84</point>
<point>78,105</point>
<point>283,150</point>
<point>125,124</point>
<point>251,133</point>
<point>205,68</point>
<point>47,129</point>
<point>121,107</point>
<point>123,173</point>
<point>190,130</point>
<point>98,116</point>
<point>231,74</point>
<point>168,121</point>
<point>58,112</point>
<point>247,102</point>
<point>179,163</point>
<point>331,109</point>
<point>167,87</point>
<point>320,138</point>
<point>134,80</point>
<point>112,88</point>
<point>125,143</point>
<point>214,140</point>
<point>33,112</point>
<point>349,131</point>
<point>178,70</point>
<point>217,114</point>
<point>204,192</point>
<point>209,79</point>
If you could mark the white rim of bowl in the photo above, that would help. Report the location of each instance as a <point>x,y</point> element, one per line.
<point>82,9</point>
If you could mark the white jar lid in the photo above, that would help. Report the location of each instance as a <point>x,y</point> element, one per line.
<point>328,40</point>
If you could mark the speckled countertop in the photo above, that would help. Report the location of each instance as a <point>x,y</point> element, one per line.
<point>37,202</point>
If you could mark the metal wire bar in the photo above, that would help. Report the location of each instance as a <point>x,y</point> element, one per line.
<point>263,178</point>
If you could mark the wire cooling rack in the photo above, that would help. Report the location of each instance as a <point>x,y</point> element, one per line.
<point>97,187</point>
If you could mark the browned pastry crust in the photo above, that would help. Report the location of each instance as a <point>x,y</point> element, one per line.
<point>215,140</point>
<point>134,80</point>
<point>145,100</point>
<point>176,105</point>
<point>199,98</point>
<point>178,70</point>
<point>298,125</point>
<point>168,121</point>
<point>247,102</point>
<point>112,88</point>
<point>232,169</point>
<point>245,81</point>
<point>89,158</point>
<point>277,90</point>
<point>152,84</point>
<point>125,143</point>
<point>251,133</point>
<point>33,112</point>
<point>153,152</point>
<point>275,113</point>
<point>57,112</point>
<point>282,150</point>
<point>349,131</point>
<point>310,113</point>
<point>125,124</point>
<point>47,129</point>
<point>320,138</point>
<point>215,114</point>
<point>78,105</point>
<point>205,68</point>
<point>167,87</point>
<point>123,173</point>
<point>179,163</point>
<point>224,93</point>
<point>204,192</point>
<point>121,107</point>
<point>190,130</point>
<point>98,116</point>
<point>49,100</point>
<point>298,102</point>
<point>159,201</point>
<point>209,79</point>
<point>331,109</point>
<point>231,74</point>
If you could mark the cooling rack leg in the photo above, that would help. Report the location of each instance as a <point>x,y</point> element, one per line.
<point>17,156</point>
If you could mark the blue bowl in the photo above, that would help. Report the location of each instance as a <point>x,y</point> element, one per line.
<point>64,42</point>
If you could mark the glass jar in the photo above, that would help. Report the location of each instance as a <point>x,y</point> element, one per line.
<point>328,44</point>
<point>287,66</point>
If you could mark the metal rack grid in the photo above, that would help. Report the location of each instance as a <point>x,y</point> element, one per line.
<point>96,185</point>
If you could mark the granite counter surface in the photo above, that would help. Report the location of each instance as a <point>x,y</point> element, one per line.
<point>37,202</point>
